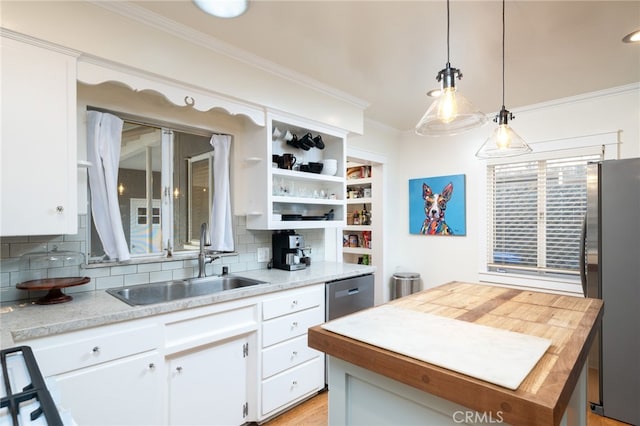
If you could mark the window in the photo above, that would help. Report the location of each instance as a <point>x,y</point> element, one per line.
<point>165,186</point>
<point>535,214</point>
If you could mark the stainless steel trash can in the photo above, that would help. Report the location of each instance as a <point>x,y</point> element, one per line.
<point>405,283</point>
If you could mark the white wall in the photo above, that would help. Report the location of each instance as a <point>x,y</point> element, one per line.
<point>442,259</point>
<point>127,35</point>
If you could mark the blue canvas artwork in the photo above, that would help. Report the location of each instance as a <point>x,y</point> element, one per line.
<point>437,205</point>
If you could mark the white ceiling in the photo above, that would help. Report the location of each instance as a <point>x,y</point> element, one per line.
<point>388,53</point>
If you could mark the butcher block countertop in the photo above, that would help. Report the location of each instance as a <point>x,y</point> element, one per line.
<point>542,397</point>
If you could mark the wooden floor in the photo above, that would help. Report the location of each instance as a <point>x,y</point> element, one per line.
<point>314,412</point>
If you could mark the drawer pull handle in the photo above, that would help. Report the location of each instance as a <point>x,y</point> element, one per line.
<point>179,370</point>
<point>59,209</point>
<point>294,383</point>
<point>295,303</point>
<point>295,353</point>
<point>294,324</point>
<point>152,366</point>
<point>96,350</point>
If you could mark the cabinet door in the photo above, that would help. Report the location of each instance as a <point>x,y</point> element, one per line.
<point>122,392</point>
<point>208,386</point>
<point>38,143</point>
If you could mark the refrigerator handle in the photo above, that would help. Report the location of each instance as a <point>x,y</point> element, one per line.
<point>583,256</point>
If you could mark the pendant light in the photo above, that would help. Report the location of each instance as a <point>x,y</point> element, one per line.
<point>503,142</point>
<point>451,113</point>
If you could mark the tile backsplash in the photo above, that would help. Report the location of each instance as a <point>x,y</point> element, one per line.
<point>103,276</point>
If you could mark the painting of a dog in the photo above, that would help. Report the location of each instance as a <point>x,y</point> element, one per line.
<point>435,206</point>
<point>427,208</point>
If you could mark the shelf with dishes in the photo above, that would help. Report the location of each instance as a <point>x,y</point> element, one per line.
<point>302,185</point>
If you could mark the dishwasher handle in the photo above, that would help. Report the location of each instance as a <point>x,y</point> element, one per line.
<point>347,292</point>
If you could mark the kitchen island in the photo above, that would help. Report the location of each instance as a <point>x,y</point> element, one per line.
<point>368,382</point>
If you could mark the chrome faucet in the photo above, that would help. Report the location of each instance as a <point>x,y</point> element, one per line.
<point>203,258</point>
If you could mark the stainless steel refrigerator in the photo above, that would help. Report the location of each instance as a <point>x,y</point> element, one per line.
<point>611,271</point>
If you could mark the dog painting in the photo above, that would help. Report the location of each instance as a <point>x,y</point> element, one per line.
<point>437,205</point>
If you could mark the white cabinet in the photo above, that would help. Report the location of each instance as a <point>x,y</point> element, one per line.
<point>121,392</point>
<point>211,359</point>
<point>208,385</point>
<point>272,194</point>
<point>290,370</point>
<point>106,376</point>
<point>38,142</point>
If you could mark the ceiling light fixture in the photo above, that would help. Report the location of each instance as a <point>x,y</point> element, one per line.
<point>223,8</point>
<point>503,142</point>
<point>451,113</point>
<point>633,37</point>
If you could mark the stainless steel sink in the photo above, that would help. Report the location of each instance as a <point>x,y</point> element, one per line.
<point>147,294</point>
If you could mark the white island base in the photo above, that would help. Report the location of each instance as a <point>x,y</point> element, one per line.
<point>358,396</point>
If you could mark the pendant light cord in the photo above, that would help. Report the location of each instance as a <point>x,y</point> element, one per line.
<point>503,38</point>
<point>448,61</point>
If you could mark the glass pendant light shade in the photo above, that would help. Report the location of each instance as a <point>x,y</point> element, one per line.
<point>503,142</point>
<point>450,114</point>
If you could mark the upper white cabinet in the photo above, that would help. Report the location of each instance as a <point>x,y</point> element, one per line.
<point>283,194</point>
<point>38,144</point>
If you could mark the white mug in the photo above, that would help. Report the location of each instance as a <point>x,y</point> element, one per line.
<point>288,136</point>
<point>329,167</point>
<point>276,133</point>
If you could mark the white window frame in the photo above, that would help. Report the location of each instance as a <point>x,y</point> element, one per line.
<point>606,143</point>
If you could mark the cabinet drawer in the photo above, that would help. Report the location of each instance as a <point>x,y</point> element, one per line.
<point>286,355</point>
<point>287,387</point>
<point>203,329</point>
<point>289,326</point>
<point>78,350</point>
<point>293,301</point>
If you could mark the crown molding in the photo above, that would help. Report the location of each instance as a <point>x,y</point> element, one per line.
<point>164,24</point>
<point>612,91</point>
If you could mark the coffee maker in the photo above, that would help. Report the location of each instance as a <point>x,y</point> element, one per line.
<point>287,250</point>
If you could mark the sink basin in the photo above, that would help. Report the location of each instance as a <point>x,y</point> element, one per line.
<point>167,291</point>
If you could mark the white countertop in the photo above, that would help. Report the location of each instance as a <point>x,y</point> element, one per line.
<point>491,354</point>
<point>23,321</point>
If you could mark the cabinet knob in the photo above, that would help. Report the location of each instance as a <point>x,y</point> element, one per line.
<point>152,366</point>
<point>294,303</point>
<point>294,324</point>
<point>59,209</point>
<point>294,353</point>
<point>96,350</point>
<point>179,370</point>
<point>294,383</point>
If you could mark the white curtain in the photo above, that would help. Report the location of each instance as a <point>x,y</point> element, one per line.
<point>221,227</point>
<point>104,133</point>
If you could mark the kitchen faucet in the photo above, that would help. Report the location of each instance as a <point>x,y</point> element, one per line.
<point>203,258</point>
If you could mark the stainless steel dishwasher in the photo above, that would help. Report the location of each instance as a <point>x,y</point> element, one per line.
<point>344,297</point>
<point>347,296</point>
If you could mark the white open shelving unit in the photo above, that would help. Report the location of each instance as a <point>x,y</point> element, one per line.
<point>271,193</point>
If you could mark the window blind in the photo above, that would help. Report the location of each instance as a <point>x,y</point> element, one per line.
<point>536,209</point>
